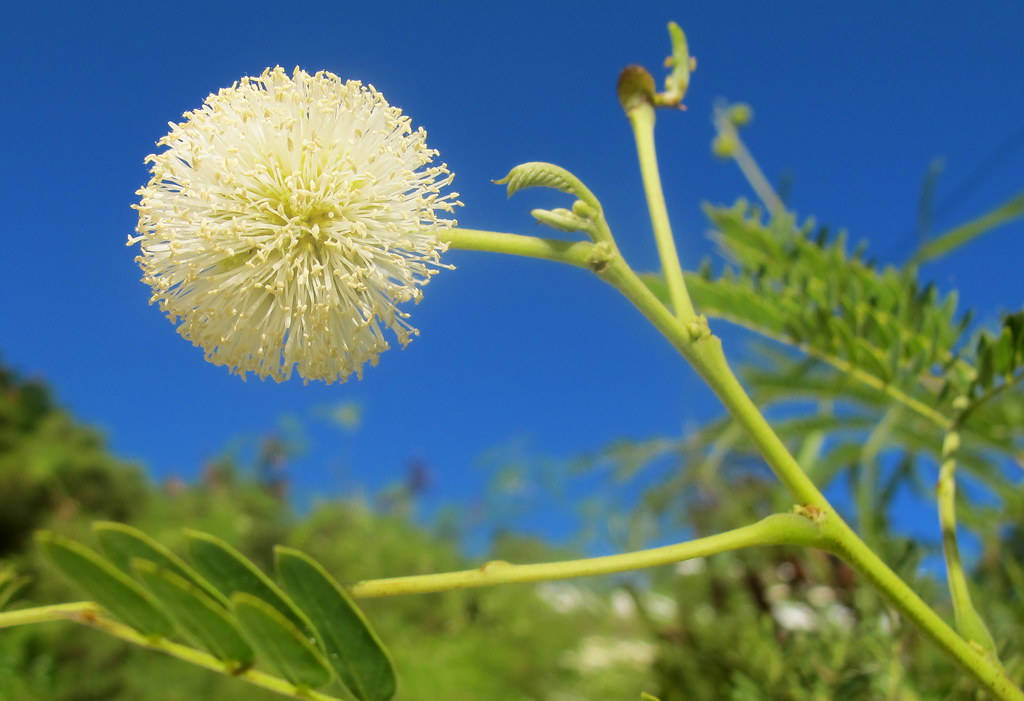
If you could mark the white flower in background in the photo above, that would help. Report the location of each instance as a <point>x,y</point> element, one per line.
<point>821,595</point>
<point>794,615</point>
<point>287,219</point>
<point>623,604</point>
<point>840,616</point>
<point>688,568</point>
<point>597,653</point>
<point>660,607</point>
<point>560,596</point>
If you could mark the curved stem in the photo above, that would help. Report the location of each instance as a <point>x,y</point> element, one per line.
<point>704,351</point>
<point>641,118</point>
<point>968,620</point>
<point>87,613</point>
<point>848,369</point>
<point>693,340</point>
<point>778,529</point>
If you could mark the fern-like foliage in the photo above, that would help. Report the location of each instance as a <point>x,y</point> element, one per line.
<point>859,343</point>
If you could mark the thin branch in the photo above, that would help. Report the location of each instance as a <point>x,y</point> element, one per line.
<point>89,614</point>
<point>778,529</point>
<point>578,253</point>
<point>641,119</point>
<point>847,368</point>
<point>748,166</point>
<point>968,621</point>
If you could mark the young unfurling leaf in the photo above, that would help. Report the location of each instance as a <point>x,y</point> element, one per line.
<point>540,174</point>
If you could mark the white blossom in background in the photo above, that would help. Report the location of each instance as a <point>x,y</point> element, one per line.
<point>622,604</point>
<point>821,595</point>
<point>287,220</point>
<point>794,615</point>
<point>786,571</point>
<point>597,653</point>
<point>840,616</point>
<point>660,607</point>
<point>561,597</point>
<point>694,566</point>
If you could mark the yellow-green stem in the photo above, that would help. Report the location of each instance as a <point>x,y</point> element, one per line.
<point>641,118</point>
<point>585,254</point>
<point>704,351</point>
<point>748,166</point>
<point>89,614</point>
<point>867,518</point>
<point>778,529</point>
<point>578,253</point>
<point>968,621</point>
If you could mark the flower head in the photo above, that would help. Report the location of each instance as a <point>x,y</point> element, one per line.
<point>287,219</point>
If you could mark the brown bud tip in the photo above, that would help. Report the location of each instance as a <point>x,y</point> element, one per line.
<point>636,87</point>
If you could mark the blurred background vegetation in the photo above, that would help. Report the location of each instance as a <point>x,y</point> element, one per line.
<point>761,624</point>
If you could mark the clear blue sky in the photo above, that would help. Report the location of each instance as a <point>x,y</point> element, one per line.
<point>853,99</point>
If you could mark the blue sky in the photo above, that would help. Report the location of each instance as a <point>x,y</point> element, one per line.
<point>853,100</point>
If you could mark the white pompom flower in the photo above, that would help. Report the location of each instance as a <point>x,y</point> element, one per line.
<point>287,220</point>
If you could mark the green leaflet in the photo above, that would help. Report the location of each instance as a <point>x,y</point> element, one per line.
<point>231,572</point>
<point>122,544</point>
<point>965,233</point>
<point>202,618</point>
<point>280,642</point>
<point>353,649</point>
<point>10,584</point>
<point>107,585</point>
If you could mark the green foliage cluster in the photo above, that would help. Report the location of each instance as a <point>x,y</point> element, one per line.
<point>757,624</point>
<point>51,464</point>
<point>863,361</point>
<point>778,624</point>
<point>511,642</point>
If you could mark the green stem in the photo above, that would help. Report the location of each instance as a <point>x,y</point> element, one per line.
<point>748,166</point>
<point>87,613</point>
<point>1009,383</point>
<point>867,518</point>
<point>704,351</point>
<point>864,377</point>
<point>585,254</point>
<point>951,240</point>
<point>641,118</point>
<point>578,253</point>
<point>778,529</point>
<point>75,611</point>
<point>968,621</point>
